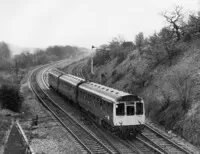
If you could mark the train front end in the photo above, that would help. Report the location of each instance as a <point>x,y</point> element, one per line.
<point>129,115</point>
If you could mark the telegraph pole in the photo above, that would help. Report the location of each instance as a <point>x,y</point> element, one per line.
<point>92,69</point>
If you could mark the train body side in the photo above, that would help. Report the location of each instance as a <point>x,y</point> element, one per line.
<point>68,86</point>
<point>53,79</point>
<point>97,105</point>
<point>115,107</point>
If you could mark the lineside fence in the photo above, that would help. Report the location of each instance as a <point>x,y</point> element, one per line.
<point>29,150</point>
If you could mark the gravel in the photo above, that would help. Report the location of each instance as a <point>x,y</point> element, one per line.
<point>48,136</point>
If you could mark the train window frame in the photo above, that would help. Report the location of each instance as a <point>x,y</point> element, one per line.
<point>87,96</point>
<point>122,110</point>
<point>111,107</point>
<point>141,111</point>
<point>101,103</point>
<point>104,105</point>
<point>84,95</point>
<point>128,112</point>
<point>94,98</point>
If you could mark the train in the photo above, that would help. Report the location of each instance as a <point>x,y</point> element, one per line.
<point>120,112</point>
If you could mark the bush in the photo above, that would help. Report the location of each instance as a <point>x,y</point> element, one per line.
<point>187,37</point>
<point>171,115</point>
<point>10,97</point>
<point>183,85</point>
<point>166,111</point>
<point>121,56</point>
<point>117,77</point>
<point>176,94</point>
<point>114,73</point>
<point>101,57</point>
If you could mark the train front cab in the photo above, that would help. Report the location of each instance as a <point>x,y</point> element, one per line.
<point>129,116</point>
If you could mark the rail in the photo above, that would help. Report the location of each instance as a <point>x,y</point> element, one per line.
<point>178,147</point>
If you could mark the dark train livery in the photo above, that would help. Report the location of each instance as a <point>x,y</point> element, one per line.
<point>116,110</point>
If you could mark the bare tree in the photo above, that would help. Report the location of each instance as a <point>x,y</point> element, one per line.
<point>116,42</point>
<point>166,38</point>
<point>119,39</point>
<point>103,47</point>
<point>183,84</point>
<point>154,40</point>
<point>174,19</point>
<point>139,40</point>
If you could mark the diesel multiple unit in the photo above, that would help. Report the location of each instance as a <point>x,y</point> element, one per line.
<point>116,110</point>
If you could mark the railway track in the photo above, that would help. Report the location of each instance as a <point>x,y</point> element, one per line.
<point>78,69</point>
<point>155,138</point>
<point>88,142</point>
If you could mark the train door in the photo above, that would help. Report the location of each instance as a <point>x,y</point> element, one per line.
<point>130,109</point>
<point>77,91</point>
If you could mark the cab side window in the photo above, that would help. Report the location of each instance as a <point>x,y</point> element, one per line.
<point>120,109</point>
<point>139,108</point>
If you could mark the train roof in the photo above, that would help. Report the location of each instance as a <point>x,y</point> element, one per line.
<point>108,93</point>
<point>56,72</point>
<point>71,79</point>
<point>76,77</point>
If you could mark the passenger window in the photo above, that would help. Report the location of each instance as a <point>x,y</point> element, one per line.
<point>104,105</point>
<point>111,107</point>
<point>101,103</point>
<point>130,110</point>
<point>139,108</point>
<point>107,106</point>
<point>120,109</point>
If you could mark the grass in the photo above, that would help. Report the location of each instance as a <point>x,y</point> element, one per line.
<point>5,123</point>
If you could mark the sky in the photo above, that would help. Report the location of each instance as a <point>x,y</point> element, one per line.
<point>42,23</point>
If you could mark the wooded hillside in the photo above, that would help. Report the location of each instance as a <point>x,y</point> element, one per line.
<point>163,69</point>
